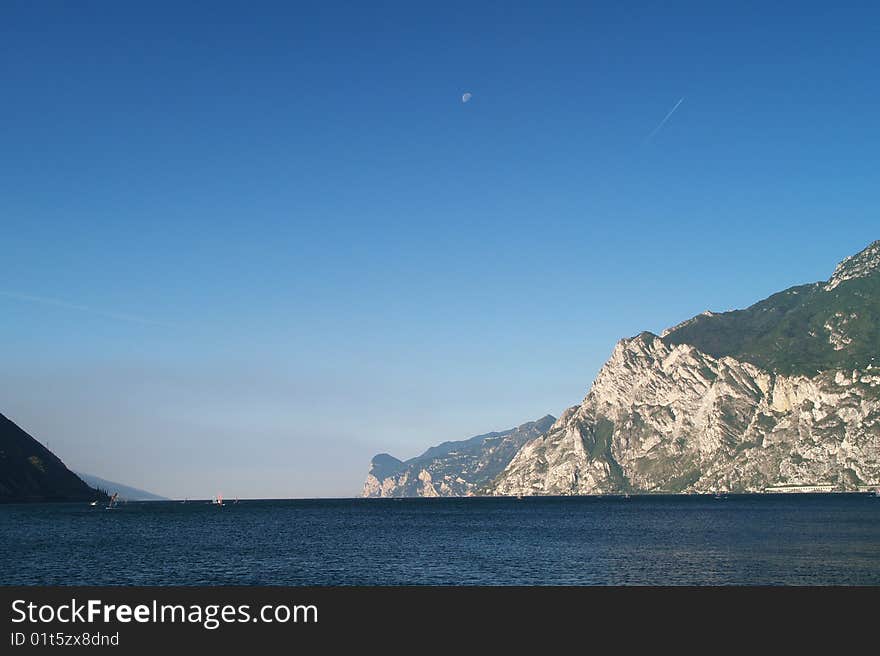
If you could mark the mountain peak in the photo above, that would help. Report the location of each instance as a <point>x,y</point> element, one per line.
<point>860,265</point>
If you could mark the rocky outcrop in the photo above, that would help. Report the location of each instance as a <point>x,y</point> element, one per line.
<point>860,265</point>
<point>458,468</point>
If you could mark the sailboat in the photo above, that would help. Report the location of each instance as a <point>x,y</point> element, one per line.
<point>113,500</point>
<point>218,500</point>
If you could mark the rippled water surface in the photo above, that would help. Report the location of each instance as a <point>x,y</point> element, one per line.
<point>822,539</point>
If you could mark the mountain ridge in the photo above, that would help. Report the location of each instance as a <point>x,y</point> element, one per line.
<point>126,492</point>
<point>784,392</point>
<point>453,468</point>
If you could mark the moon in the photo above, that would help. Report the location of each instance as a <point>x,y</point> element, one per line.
<point>467,95</point>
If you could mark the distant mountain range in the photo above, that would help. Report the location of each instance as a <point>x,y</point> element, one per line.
<point>784,395</point>
<point>125,492</point>
<point>460,468</point>
<point>30,472</point>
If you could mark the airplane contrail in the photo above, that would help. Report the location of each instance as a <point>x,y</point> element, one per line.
<point>665,118</point>
<point>54,302</point>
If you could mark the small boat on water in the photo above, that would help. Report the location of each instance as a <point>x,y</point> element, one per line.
<point>113,501</point>
<point>218,500</point>
<point>94,503</point>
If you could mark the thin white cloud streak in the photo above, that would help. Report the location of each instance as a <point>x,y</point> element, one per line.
<point>65,305</point>
<point>663,122</point>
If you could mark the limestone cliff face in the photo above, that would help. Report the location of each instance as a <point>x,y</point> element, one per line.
<point>786,392</point>
<point>670,418</point>
<point>451,469</point>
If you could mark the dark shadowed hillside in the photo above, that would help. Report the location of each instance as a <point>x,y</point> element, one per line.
<point>30,472</point>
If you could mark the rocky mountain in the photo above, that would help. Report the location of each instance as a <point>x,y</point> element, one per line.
<point>459,468</point>
<point>30,472</point>
<point>125,491</point>
<point>783,393</point>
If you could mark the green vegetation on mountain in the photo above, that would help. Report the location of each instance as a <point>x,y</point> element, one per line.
<point>802,330</point>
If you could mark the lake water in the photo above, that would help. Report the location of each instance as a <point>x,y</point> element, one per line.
<point>658,540</point>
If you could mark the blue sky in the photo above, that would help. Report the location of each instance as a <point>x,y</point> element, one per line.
<point>249,245</point>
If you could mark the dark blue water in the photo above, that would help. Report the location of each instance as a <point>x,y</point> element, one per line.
<point>785,539</point>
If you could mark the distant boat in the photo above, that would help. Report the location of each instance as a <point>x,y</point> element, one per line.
<point>218,500</point>
<point>519,497</point>
<point>113,501</point>
<point>94,503</point>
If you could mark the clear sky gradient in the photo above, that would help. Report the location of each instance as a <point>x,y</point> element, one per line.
<point>246,246</point>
